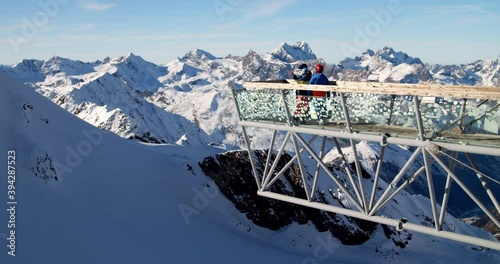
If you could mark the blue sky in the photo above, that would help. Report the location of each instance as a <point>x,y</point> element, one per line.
<point>447,32</point>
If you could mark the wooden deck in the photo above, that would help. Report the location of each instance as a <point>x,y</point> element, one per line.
<point>432,90</point>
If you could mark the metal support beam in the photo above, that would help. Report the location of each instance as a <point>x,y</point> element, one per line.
<point>484,183</point>
<point>288,165</point>
<point>347,170</point>
<point>287,111</point>
<point>278,156</point>
<point>446,194</point>
<point>270,153</point>
<point>420,126</point>
<point>402,186</point>
<point>464,187</point>
<point>483,150</point>
<point>377,172</point>
<point>318,167</point>
<point>430,185</point>
<point>327,170</point>
<point>395,181</point>
<point>361,191</point>
<point>359,173</point>
<point>250,156</point>
<point>301,167</point>
<point>386,221</point>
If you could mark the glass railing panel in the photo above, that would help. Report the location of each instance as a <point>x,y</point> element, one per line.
<point>440,114</point>
<point>261,105</point>
<point>482,117</point>
<point>317,110</point>
<point>379,114</point>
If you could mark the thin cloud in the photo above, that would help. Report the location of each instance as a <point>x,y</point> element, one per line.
<point>109,38</point>
<point>295,20</point>
<point>257,10</point>
<point>268,9</point>
<point>454,10</point>
<point>10,27</point>
<point>477,9</point>
<point>92,5</point>
<point>84,27</point>
<point>80,37</point>
<point>184,36</point>
<point>5,41</point>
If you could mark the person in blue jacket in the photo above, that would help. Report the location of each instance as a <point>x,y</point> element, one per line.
<point>319,102</point>
<point>319,77</point>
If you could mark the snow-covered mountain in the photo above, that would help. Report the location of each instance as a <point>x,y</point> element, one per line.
<point>389,65</point>
<point>88,196</point>
<point>300,51</point>
<point>197,54</point>
<point>132,91</point>
<point>195,86</point>
<point>134,71</point>
<point>484,72</point>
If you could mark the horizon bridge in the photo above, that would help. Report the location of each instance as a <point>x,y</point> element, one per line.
<point>442,124</point>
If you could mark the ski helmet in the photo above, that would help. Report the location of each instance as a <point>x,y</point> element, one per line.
<point>319,68</point>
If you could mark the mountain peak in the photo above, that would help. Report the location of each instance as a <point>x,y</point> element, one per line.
<point>252,53</point>
<point>198,54</point>
<point>130,57</point>
<point>369,52</point>
<point>57,58</point>
<point>29,63</point>
<point>387,49</point>
<point>396,57</point>
<point>300,51</point>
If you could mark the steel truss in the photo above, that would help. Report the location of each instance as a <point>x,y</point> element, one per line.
<point>369,204</point>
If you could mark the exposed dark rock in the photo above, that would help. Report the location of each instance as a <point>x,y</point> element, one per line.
<point>44,168</point>
<point>232,172</point>
<point>399,238</point>
<point>146,138</point>
<point>485,223</point>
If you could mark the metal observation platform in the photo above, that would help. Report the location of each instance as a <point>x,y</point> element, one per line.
<point>439,122</point>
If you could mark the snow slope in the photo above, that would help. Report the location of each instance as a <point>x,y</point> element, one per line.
<point>88,196</point>
<point>117,203</point>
